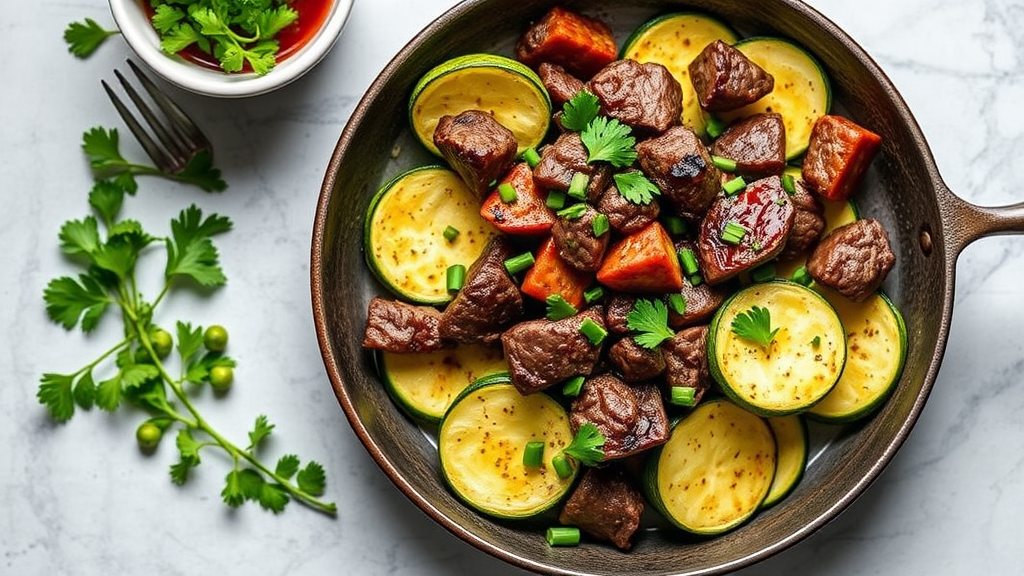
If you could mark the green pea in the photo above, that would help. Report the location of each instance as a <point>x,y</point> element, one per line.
<point>221,377</point>
<point>148,436</point>
<point>215,338</point>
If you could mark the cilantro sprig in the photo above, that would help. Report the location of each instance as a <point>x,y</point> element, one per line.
<point>86,36</point>
<point>102,147</point>
<point>636,187</point>
<point>609,140</point>
<point>586,445</point>
<point>755,325</point>
<point>649,321</point>
<point>138,370</point>
<point>578,111</point>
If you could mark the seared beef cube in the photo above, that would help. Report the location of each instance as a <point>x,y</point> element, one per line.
<point>757,144</point>
<point>605,505</point>
<point>645,96</point>
<point>837,156</point>
<point>853,259</point>
<point>619,306</point>
<point>395,326</point>
<point>808,223</point>
<point>634,362</point>
<point>686,361</point>
<point>626,217</point>
<point>725,79</point>
<point>560,161</point>
<point>744,231</point>
<point>477,146</point>
<point>702,299</point>
<point>544,352</point>
<point>678,163</point>
<point>577,246</point>
<point>580,44</point>
<point>561,85</point>
<point>631,418</point>
<point>489,300</point>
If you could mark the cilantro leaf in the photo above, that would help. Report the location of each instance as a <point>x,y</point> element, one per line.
<point>102,148</point>
<point>181,469</point>
<point>260,431</point>
<point>579,111</point>
<point>109,393</point>
<point>190,340</point>
<point>85,391</point>
<point>84,37</point>
<point>586,445</point>
<point>80,236</point>
<point>241,485</point>
<point>312,479</point>
<point>649,318</point>
<point>609,140</point>
<point>635,187</point>
<point>106,198</point>
<point>559,308</point>
<point>187,445</point>
<point>166,17</point>
<point>191,252</point>
<point>287,466</point>
<point>68,299</point>
<point>199,170</point>
<point>270,22</point>
<point>273,497</point>
<point>178,37</point>
<point>56,393</point>
<point>755,325</point>
<point>136,375</point>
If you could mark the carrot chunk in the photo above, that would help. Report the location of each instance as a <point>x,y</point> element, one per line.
<point>838,155</point>
<point>642,262</point>
<point>550,275</point>
<point>580,44</point>
<point>527,214</point>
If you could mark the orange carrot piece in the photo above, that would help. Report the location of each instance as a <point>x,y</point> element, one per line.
<point>528,214</point>
<point>580,44</point>
<point>550,274</point>
<point>837,157</point>
<point>645,261</point>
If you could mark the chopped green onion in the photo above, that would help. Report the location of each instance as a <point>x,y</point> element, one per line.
<point>735,185</point>
<point>507,192</point>
<point>455,277</point>
<point>563,536</point>
<point>593,295</point>
<point>559,307</point>
<point>562,466</point>
<point>578,186</point>
<point>733,232</point>
<point>689,261</point>
<point>674,225</point>
<point>763,273</point>
<point>802,276</point>
<point>816,342</point>
<point>573,386</point>
<point>533,454</point>
<point>555,200</point>
<point>600,224</point>
<point>695,280</point>
<point>532,157</point>
<point>450,233</point>
<point>520,263</point>
<point>684,395</point>
<point>724,164</point>
<point>677,302</point>
<point>574,212</point>
<point>594,332</point>
<point>789,184</point>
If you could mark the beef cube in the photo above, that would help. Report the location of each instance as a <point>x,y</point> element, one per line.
<point>399,327</point>
<point>631,418</point>
<point>560,161</point>
<point>580,44</point>
<point>702,299</point>
<point>757,143</point>
<point>576,243</point>
<point>678,163</point>
<point>476,146</point>
<point>645,97</point>
<point>561,85</point>
<point>606,506</point>
<point>763,216</point>
<point>853,259</point>
<point>808,223</point>
<point>725,79</point>
<point>634,362</point>
<point>686,361</point>
<point>489,300</point>
<point>626,217</point>
<point>619,306</point>
<point>545,352</point>
<point>837,156</point>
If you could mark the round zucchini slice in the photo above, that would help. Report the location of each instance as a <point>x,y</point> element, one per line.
<point>802,91</point>
<point>424,385</point>
<point>674,40</point>
<point>506,89</point>
<point>404,232</point>
<point>481,442</point>
<point>800,364</point>
<point>876,341</point>
<point>715,470</point>
<point>791,443</point>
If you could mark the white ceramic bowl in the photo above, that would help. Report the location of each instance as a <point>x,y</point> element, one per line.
<point>137,30</point>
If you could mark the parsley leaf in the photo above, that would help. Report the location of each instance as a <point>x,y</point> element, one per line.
<point>649,319</point>
<point>260,431</point>
<point>68,299</point>
<point>579,111</point>
<point>609,140</point>
<point>755,325</point>
<point>84,37</point>
<point>312,479</point>
<point>287,466</point>
<point>190,251</point>
<point>635,187</point>
<point>57,394</point>
<point>586,445</point>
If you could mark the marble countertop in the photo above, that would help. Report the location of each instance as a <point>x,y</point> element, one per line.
<point>80,498</point>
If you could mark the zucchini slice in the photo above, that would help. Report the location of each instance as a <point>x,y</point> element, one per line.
<point>801,364</point>
<point>481,442</point>
<point>424,385</point>
<point>404,238</point>
<point>506,89</point>
<point>802,91</point>
<point>876,341</point>
<point>793,446</point>
<point>674,40</point>
<point>715,470</point>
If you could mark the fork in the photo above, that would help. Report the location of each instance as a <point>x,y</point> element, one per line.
<point>177,138</point>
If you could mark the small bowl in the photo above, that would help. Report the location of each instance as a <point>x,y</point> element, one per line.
<point>135,26</point>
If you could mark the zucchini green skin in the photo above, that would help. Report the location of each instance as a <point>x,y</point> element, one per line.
<point>803,362</point>
<point>481,441</point>
<point>877,350</point>
<point>403,232</point>
<point>793,445</point>
<point>715,471</point>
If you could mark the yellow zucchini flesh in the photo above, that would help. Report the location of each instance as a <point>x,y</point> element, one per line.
<point>674,40</point>
<point>801,364</point>
<point>715,470</point>
<point>792,446</point>
<point>404,238</point>
<point>481,442</point>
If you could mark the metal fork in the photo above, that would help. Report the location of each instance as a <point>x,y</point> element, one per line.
<point>177,138</point>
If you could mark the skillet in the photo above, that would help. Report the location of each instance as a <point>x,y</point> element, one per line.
<point>928,225</point>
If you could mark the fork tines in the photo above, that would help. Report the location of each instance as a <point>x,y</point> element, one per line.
<point>177,138</point>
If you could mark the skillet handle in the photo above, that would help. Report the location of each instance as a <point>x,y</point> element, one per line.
<point>966,222</point>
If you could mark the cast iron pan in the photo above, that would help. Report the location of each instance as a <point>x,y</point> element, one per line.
<point>928,227</point>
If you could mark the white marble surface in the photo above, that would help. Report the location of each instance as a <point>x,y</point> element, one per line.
<point>80,498</point>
